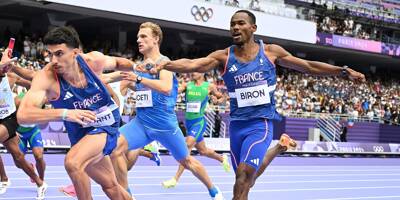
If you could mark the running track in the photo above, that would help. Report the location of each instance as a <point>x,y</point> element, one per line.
<point>291,178</point>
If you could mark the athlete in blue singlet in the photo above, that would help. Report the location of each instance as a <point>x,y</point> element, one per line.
<point>156,118</point>
<point>71,84</point>
<point>248,69</point>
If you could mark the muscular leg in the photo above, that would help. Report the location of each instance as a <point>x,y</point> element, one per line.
<point>40,163</point>
<point>284,144</point>
<point>269,156</point>
<point>145,153</point>
<point>190,142</point>
<point>103,173</point>
<point>132,157</point>
<point>119,162</point>
<point>204,151</point>
<point>19,160</point>
<point>245,175</point>
<point>3,175</point>
<point>3,133</point>
<point>175,143</point>
<point>87,151</point>
<point>197,169</point>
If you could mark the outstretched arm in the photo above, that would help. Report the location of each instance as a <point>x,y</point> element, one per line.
<point>285,59</point>
<point>20,81</point>
<point>111,77</point>
<point>100,62</point>
<point>163,85</point>
<point>24,73</point>
<point>205,64</point>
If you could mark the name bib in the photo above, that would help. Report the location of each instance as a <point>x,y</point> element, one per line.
<point>252,96</point>
<point>104,117</point>
<point>193,107</point>
<point>144,99</point>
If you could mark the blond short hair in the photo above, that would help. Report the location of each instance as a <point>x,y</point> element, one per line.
<point>155,29</point>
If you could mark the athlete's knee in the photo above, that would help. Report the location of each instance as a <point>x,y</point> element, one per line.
<point>116,154</point>
<point>112,185</point>
<point>245,175</point>
<point>72,165</point>
<point>18,159</point>
<point>203,152</point>
<point>38,157</point>
<point>187,162</point>
<point>122,147</point>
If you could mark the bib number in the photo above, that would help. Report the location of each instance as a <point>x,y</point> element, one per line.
<point>253,96</point>
<point>144,99</point>
<point>104,117</point>
<point>193,107</point>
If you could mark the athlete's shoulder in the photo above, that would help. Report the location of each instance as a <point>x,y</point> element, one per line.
<point>47,72</point>
<point>95,60</point>
<point>220,55</point>
<point>45,78</point>
<point>275,50</point>
<point>93,55</point>
<point>223,52</point>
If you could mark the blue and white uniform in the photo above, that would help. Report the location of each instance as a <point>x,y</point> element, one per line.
<point>155,119</point>
<point>94,97</point>
<point>29,135</point>
<point>251,88</point>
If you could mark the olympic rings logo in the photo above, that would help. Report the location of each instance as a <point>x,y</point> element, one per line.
<point>201,13</point>
<point>378,149</point>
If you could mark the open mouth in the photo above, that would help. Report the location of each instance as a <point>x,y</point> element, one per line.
<point>236,36</point>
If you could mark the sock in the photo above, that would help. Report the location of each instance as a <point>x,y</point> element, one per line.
<point>129,191</point>
<point>213,191</point>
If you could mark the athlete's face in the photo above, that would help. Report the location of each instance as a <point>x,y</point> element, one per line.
<point>62,57</point>
<point>197,76</point>
<point>146,40</point>
<point>242,29</point>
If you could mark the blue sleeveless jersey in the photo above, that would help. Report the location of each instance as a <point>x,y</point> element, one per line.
<point>156,110</point>
<point>251,86</point>
<point>94,97</point>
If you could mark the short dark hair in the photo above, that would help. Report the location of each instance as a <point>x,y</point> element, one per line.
<point>250,14</point>
<point>60,35</point>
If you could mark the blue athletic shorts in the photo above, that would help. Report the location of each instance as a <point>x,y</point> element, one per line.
<point>111,131</point>
<point>32,137</point>
<point>249,141</point>
<point>196,128</point>
<point>138,136</point>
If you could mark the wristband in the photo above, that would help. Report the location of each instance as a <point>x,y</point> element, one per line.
<point>64,114</point>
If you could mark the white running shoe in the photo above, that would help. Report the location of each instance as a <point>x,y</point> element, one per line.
<point>41,191</point>
<point>3,189</point>
<point>4,185</point>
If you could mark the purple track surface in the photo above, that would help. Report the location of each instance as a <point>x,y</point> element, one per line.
<point>291,178</point>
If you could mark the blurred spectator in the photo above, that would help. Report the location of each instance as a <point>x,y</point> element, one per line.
<point>27,47</point>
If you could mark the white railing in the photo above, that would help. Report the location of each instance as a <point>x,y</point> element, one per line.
<point>313,115</point>
<point>330,128</point>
